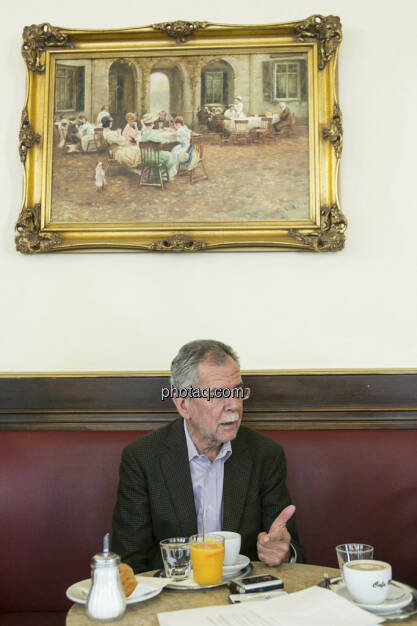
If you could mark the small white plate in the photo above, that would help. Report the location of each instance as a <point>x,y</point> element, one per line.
<point>78,592</point>
<point>398,597</point>
<point>242,561</point>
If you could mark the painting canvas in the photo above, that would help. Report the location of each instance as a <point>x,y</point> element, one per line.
<point>246,115</point>
<point>182,136</point>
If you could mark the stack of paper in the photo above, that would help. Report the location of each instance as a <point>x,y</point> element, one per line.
<point>311,607</point>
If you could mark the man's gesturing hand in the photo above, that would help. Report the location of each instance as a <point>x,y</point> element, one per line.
<point>274,546</point>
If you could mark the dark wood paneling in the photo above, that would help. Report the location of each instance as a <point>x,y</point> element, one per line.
<point>278,401</point>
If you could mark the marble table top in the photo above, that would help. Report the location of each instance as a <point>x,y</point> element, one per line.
<point>295,576</point>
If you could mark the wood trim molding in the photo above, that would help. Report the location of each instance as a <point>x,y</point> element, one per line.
<point>279,400</point>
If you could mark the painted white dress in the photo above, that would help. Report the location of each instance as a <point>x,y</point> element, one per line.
<point>185,154</point>
<point>239,115</point>
<point>131,134</point>
<point>180,152</point>
<point>87,134</point>
<point>125,155</point>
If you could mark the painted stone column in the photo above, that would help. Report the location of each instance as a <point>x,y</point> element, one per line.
<point>243,82</point>
<point>194,66</point>
<point>138,90</point>
<point>100,85</point>
<point>145,97</point>
<point>257,102</point>
<point>253,104</point>
<point>187,110</point>
<point>88,101</point>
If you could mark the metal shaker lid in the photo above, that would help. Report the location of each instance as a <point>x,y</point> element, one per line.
<point>105,558</point>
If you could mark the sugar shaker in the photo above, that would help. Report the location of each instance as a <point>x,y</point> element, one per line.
<point>106,600</point>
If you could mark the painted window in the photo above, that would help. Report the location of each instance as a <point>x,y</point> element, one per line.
<point>287,80</point>
<point>69,88</point>
<point>214,86</point>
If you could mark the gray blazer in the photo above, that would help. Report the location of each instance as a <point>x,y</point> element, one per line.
<point>155,497</point>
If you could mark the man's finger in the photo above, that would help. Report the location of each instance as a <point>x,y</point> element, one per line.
<point>279,537</point>
<point>262,538</point>
<point>273,556</point>
<point>280,522</point>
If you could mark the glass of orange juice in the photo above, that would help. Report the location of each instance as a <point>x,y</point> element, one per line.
<point>207,555</point>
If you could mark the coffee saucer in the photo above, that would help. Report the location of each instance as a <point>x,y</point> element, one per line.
<point>241,562</point>
<point>398,597</point>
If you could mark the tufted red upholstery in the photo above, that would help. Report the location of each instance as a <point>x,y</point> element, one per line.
<point>58,489</point>
<point>355,486</point>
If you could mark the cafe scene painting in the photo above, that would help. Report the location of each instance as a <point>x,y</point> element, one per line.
<point>181,139</point>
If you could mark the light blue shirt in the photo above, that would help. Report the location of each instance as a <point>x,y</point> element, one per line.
<point>207,478</point>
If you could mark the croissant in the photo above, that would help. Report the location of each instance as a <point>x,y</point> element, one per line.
<point>127,578</point>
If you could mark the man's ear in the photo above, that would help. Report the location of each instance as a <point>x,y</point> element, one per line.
<point>183,406</point>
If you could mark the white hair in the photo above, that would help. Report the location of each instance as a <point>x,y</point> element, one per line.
<point>184,365</point>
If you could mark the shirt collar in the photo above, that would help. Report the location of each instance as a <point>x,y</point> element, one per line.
<point>225,450</point>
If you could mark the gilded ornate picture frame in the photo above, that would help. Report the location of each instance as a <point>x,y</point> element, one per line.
<point>180,137</point>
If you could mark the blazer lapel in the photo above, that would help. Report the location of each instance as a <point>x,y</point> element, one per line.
<point>237,473</point>
<point>175,468</point>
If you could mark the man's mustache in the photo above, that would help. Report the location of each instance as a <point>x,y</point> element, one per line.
<point>231,417</point>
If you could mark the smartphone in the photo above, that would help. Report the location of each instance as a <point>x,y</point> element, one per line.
<point>265,582</point>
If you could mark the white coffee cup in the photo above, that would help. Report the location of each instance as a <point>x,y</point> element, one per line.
<point>367,580</point>
<point>232,543</point>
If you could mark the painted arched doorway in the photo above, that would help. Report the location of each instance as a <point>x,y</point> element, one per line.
<point>121,91</point>
<point>160,93</point>
<point>175,78</point>
<point>217,84</point>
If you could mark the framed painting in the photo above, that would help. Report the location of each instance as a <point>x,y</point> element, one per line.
<point>181,137</point>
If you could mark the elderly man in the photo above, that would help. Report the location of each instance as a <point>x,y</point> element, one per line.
<point>283,118</point>
<point>204,461</point>
<point>162,121</point>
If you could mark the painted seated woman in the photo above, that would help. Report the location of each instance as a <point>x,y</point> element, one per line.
<point>128,155</point>
<point>131,133</point>
<point>149,134</point>
<point>185,154</point>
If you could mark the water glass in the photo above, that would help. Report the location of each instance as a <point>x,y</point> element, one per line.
<point>353,552</point>
<point>176,557</point>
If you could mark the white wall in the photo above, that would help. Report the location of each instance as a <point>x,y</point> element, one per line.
<point>355,308</point>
